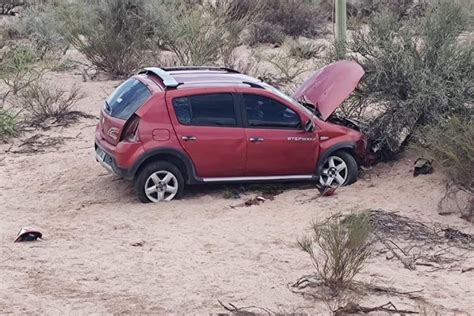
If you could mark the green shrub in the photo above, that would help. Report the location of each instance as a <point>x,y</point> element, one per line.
<point>43,26</point>
<point>339,249</point>
<point>417,72</point>
<point>451,142</point>
<point>8,124</point>
<point>110,33</point>
<point>194,37</point>
<point>19,68</point>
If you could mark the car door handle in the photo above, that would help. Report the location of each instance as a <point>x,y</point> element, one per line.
<point>188,138</point>
<point>256,139</point>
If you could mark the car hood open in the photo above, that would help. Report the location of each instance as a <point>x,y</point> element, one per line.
<point>329,86</point>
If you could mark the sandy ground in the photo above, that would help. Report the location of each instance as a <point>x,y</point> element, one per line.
<point>196,250</point>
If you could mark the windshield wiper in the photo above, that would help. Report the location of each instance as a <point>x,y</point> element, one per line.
<point>310,106</point>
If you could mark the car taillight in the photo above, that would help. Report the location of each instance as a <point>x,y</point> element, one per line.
<point>130,130</point>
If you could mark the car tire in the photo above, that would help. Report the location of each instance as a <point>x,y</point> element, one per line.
<point>159,181</point>
<point>340,166</point>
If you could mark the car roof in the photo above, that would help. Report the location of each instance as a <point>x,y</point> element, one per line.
<point>194,77</point>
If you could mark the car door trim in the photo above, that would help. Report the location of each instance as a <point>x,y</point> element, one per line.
<point>261,178</point>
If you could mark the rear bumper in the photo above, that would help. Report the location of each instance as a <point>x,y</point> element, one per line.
<point>108,161</point>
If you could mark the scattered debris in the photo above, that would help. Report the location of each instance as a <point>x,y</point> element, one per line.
<point>328,190</point>
<point>407,260</point>
<point>423,166</point>
<point>390,225</point>
<point>38,143</point>
<point>353,308</point>
<point>456,235</point>
<point>434,247</point>
<point>323,191</point>
<point>252,201</point>
<point>28,233</point>
<point>231,194</point>
<point>467,269</point>
<point>313,286</point>
<point>245,310</point>
<point>391,291</point>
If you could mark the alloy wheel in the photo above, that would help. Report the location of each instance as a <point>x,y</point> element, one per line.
<point>334,172</point>
<point>161,186</point>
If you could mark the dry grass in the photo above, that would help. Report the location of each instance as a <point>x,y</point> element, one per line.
<point>41,102</point>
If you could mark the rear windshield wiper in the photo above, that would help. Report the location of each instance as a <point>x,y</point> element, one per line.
<point>107,106</point>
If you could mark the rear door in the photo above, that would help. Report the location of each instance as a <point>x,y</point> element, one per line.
<point>209,128</point>
<point>277,144</point>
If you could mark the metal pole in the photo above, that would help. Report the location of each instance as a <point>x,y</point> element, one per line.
<point>341,24</point>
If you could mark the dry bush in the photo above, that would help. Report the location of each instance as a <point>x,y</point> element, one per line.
<point>339,249</point>
<point>249,65</point>
<point>402,8</point>
<point>296,17</point>
<point>304,50</point>
<point>286,73</point>
<point>280,18</point>
<point>41,102</point>
<point>264,33</point>
<point>232,11</point>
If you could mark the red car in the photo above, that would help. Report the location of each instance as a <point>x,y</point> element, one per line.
<point>168,127</point>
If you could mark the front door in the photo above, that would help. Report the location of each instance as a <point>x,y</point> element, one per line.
<point>277,144</point>
<point>209,129</point>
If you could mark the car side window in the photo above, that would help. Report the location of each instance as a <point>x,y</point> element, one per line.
<point>207,109</point>
<point>265,112</point>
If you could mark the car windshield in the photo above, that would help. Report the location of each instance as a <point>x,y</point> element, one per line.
<point>286,97</point>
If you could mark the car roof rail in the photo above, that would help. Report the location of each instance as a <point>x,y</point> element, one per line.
<point>212,68</point>
<point>253,84</point>
<point>168,80</point>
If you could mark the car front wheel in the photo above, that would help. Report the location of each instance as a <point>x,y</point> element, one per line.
<point>159,182</point>
<point>339,169</point>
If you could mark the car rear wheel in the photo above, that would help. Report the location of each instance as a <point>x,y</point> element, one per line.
<point>339,169</point>
<point>159,182</point>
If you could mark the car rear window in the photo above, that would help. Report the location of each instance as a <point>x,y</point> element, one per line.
<point>207,109</point>
<point>127,99</point>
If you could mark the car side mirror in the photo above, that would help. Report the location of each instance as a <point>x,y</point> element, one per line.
<point>309,126</point>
